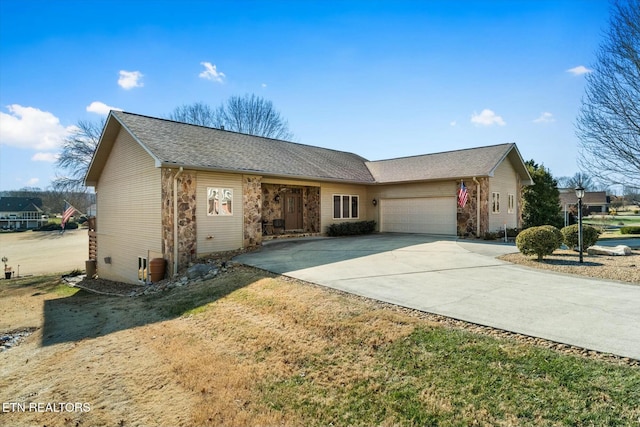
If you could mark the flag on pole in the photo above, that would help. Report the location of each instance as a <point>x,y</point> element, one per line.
<point>68,212</point>
<point>462,195</point>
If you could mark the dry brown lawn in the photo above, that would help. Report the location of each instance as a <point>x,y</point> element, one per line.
<point>136,363</point>
<point>250,348</point>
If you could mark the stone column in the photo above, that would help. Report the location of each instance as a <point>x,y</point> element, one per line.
<point>252,208</point>
<point>187,230</point>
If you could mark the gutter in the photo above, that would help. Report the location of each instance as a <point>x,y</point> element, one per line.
<point>175,220</point>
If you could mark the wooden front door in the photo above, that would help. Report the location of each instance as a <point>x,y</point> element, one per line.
<point>293,209</point>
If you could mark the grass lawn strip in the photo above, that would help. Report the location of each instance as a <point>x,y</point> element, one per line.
<point>250,348</point>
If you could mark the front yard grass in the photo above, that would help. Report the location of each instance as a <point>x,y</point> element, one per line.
<point>251,348</point>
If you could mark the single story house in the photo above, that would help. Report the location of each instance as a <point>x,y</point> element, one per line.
<point>593,202</point>
<point>180,191</point>
<point>21,213</point>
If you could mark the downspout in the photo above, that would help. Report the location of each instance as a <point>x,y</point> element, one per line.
<point>175,221</point>
<point>477,207</point>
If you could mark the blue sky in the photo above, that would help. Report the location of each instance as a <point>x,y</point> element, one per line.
<point>382,79</point>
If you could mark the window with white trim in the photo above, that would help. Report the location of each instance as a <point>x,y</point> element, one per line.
<point>345,206</point>
<point>219,201</point>
<point>495,202</point>
<point>143,267</point>
<point>511,207</point>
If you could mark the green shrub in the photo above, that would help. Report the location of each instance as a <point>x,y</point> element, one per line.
<point>351,228</point>
<point>589,236</point>
<point>540,241</point>
<point>491,235</point>
<point>54,226</point>
<point>630,230</point>
<point>557,233</point>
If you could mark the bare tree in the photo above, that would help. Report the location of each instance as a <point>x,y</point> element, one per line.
<point>76,155</point>
<point>253,115</point>
<point>579,178</point>
<point>197,113</point>
<point>249,114</point>
<point>608,124</point>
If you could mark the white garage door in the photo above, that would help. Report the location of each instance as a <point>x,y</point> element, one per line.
<point>430,215</point>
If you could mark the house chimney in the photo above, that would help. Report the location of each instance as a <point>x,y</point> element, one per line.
<point>221,127</point>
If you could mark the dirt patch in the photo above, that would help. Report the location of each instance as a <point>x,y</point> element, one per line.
<point>621,268</point>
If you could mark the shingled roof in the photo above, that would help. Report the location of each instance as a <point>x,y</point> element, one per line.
<point>179,144</point>
<point>471,162</point>
<point>174,144</point>
<point>20,204</point>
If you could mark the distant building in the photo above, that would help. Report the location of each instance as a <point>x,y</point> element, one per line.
<point>21,213</point>
<point>593,202</point>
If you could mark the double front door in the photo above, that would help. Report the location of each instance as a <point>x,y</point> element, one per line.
<point>293,209</point>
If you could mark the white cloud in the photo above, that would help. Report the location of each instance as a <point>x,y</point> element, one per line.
<point>130,79</point>
<point>32,182</point>
<point>211,73</point>
<point>545,117</point>
<point>487,118</point>
<point>579,70</point>
<point>101,108</point>
<point>45,157</point>
<point>264,85</point>
<point>28,127</point>
<point>453,123</point>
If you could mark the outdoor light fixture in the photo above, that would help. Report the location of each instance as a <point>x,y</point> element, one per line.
<point>375,202</point>
<point>277,198</point>
<point>580,195</point>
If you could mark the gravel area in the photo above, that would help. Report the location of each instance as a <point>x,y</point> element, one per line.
<point>620,268</point>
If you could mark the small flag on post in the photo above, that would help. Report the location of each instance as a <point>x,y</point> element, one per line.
<point>462,195</point>
<point>68,213</point>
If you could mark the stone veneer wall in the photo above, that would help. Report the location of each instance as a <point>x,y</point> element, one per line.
<point>270,208</point>
<point>187,238</point>
<point>311,209</point>
<point>467,216</point>
<point>252,207</point>
<point>310,206</point>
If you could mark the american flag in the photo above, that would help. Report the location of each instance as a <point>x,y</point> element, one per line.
<point>462,195</point>
<point>68,212</point>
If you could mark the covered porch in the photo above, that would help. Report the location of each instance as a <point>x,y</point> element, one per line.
<point>290,211</point>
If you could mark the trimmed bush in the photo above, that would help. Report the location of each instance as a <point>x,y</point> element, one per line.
<point>630,230</point>
<point>589,236</point>
<point>351,228</point>
<point>539,241</point>
<point>54,226</point>
<point>557,233</point>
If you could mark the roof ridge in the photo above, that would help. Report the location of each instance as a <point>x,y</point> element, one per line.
<point>239,133</point>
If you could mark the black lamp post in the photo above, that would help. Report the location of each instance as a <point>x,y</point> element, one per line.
<point>580,195</point>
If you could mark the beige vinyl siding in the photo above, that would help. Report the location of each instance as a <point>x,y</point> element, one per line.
<point>328,190</point>
<point>407,190</point>
<point>128,210</point>
<point>219,232</point>
<point>504,182</point>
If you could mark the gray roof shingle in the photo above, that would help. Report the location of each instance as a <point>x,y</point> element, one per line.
<point>208,148</point>
<point>174,144</point>
<point>451,164</point>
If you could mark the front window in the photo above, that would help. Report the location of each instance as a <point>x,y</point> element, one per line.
<point>495,202</point>
<point>219,201</point>
<point>512,203</point>
<point>345,206</point>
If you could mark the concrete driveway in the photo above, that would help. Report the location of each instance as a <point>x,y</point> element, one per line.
<point>463,280</point>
